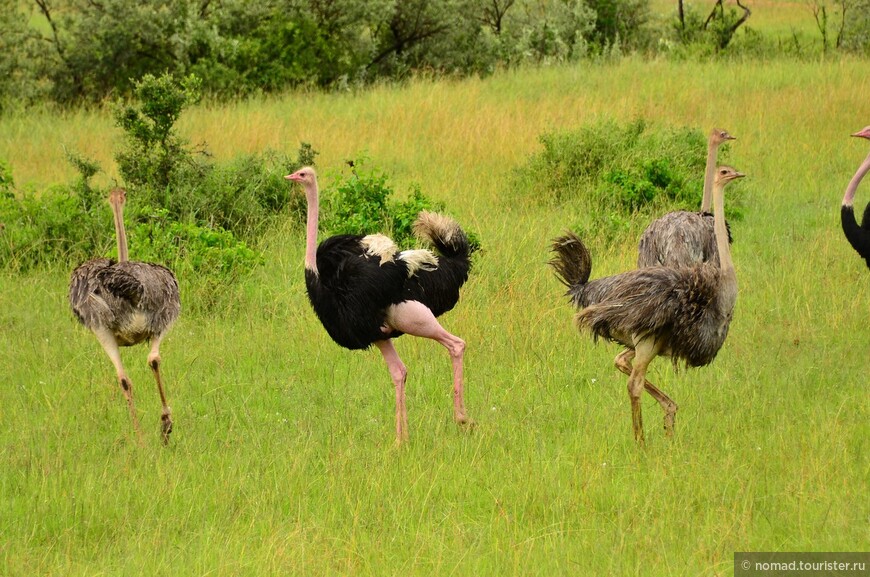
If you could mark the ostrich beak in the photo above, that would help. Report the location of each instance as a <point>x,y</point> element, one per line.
<point>865,133</point>
<point>293,176</point>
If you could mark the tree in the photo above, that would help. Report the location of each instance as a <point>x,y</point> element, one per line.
<point>720,25</point>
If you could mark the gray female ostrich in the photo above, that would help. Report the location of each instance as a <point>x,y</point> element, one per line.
<point>684,238</point>
<point>679,312</point>
<point>858,236</point>
<point>125,303</point>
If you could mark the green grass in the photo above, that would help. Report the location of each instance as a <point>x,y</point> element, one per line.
<point>282,459</point>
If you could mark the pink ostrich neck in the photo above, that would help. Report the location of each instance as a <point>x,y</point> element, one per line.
<point>311,229</point>
<point>856,180</point>
<point>120,232</point>
<point>709,174</point>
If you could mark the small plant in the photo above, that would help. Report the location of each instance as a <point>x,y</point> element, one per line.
<point>153,152</point>
<point>362,204</point>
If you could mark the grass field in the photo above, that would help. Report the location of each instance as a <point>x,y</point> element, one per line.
<point>282,460</point>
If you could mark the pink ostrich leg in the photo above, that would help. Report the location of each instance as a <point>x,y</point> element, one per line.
<point>415,318</point>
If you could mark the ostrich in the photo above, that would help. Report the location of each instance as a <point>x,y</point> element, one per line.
<point>858,236</point>
<point>680,312</point>
<point>366,292</point>
<point>684,238</point>
<point>125,303</point>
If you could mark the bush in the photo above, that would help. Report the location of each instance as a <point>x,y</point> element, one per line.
<point>203,220</point>
<point>615,172</point>
<point>361,204</point>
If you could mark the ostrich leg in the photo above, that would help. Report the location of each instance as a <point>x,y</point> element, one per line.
<point>399,374</point>
<point>415,318</point>
<point>645,351</point>
<point>623,363</point>
<point>110,345</point>
<point>154,363</point>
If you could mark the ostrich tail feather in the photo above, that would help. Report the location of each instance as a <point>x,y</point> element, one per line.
<point>572,261</point>
<point>444,233</point>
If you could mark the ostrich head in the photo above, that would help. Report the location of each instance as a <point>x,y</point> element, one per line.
<point>718,136</point>
<point>305,175</point>
<point>863,133</point>
<point>118,196</point>
<point>725,174</point>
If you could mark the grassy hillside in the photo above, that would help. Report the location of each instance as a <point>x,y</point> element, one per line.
<point>282,460</point>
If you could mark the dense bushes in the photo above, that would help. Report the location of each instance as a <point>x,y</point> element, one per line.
<point>616,171</point>
<point>202,219</point>
<point>84,51</point>
<point>88,51</point>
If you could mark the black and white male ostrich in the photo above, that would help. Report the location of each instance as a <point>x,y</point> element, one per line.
<point>681,237</point>
<point>125,303</point>
<point>858,236</point>
<point>679,312</point>
<point>365,291</point>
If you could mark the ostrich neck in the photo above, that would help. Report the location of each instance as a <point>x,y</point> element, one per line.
<point>120,232</point>
<point>709,173</point>
<point>311,229</point>
<point>856,180</point>
<point>726,265</point>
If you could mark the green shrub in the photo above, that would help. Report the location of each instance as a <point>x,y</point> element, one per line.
<point>207,260</point>
<point>362,203</point>
<point>616,171</point>
<point>49,229</point>
<point>202,220</point>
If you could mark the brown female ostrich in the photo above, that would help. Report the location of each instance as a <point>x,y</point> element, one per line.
<point>680,312</point>
<point>858,236</point>
<point>683,238</point>
<point>366,292</point>
<point>125,303</point>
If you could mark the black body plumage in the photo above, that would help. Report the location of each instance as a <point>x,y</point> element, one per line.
<point>353,286</point>
<point>857,235</point>
<point>136,301</point>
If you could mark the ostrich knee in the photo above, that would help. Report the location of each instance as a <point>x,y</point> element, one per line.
<point>456,348</point>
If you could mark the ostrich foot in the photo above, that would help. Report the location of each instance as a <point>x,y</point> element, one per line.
<point>166,427</point>
<point>464,421</point>
<point>670,415</point>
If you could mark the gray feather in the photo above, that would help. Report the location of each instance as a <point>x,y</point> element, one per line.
<point>689,308</point>
<point>679,238</point>
<point>136,301</point>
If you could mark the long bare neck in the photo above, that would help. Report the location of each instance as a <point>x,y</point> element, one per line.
<point>726,265</point>
<point>120,232</point>
<point>849,197</point>
<point>311,195</point>
<point>709,174</point>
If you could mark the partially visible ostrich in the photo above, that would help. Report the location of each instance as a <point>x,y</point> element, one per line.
<point>858,236</point>
<point>366,292</point>
<point>679,312</point>
<point>125,303</point>
<point>684,238</point>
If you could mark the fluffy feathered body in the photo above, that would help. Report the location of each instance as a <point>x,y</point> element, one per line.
<point>679,238</point>
<point>366,291</point>
<point>857,235</point>
<point>353,285</point>
<point>686,238</point>
<point>125,303</point>
<point>135,301</point>
<point>681,307</point>
<point>682,312</point>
